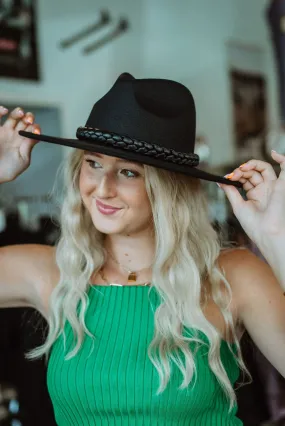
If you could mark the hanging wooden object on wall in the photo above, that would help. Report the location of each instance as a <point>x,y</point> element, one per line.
<point>275,14</point>
<point>104,20</point>
<point>123,26</point>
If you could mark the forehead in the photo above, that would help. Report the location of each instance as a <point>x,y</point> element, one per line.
<point>110,159</point>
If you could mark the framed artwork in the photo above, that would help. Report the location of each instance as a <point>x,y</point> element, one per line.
<point>18,40</point>
<point>248,92</point>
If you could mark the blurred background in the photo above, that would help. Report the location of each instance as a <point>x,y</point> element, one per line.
<point>58,57</point>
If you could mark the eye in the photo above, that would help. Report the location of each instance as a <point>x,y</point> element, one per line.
<point>129,173</point>
<point>93,164</point>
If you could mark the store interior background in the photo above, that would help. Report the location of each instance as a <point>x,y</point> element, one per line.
<point>195,42</point>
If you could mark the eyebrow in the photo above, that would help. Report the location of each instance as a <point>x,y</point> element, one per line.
<point>95,154</point>
<point>120,160</point>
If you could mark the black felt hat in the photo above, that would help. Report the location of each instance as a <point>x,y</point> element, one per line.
<point>150,121</point>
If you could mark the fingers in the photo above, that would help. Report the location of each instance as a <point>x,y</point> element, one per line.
<point>249,179</point>
<point>253,173</point>
<point>26,121</point>
<point>13,118</point>
<point>247,185</point>
<point>19,120</point>
<point>28,145</point>
<point>33,128</point>
<point>3,112</point>
<point>262,167</point>
<point>280,159</point>
<point>233,196</point>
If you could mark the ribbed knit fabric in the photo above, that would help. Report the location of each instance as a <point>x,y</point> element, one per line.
<point>116,383</point>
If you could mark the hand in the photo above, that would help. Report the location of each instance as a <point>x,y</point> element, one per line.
<point>263,213</point>
<point>15,150</point>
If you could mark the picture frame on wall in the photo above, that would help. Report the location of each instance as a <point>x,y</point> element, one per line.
<point>249,106</point>
<point>248,99</point>
<point>19,57</point>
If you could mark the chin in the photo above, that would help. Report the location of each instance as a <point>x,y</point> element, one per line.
<point>108,230</point>
<point>107,225</point>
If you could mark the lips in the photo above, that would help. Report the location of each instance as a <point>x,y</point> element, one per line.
<point>105,208</point>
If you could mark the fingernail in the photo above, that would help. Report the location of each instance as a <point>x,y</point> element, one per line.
<point>242,165</point>
<point>37,132</point>
<point>229,176</point>
<point>29,120</point>
<point>20,112</point>
<point>3,109</point>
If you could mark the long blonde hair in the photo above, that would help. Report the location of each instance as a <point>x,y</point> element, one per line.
<point>187,249</point>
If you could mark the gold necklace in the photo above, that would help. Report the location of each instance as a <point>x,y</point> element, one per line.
<point>104,278</point>
<point>132,275</point>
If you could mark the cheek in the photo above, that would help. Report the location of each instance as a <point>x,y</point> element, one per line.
<point>86,186</point>
<point>138,200</point>
<point>81,183</point>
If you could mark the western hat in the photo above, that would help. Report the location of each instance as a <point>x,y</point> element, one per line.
<point>150,121</point>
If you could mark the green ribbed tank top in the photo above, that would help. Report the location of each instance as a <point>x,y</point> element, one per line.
<point>116,383</point>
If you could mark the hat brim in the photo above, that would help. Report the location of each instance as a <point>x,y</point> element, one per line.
<point>113,151</point>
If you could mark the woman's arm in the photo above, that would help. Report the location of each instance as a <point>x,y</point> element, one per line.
<point>260,303</point>
<point>28,274</point>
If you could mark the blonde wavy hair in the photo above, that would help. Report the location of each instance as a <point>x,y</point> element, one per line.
<point>186,246</point>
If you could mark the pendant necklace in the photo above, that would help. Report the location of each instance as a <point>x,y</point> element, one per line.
<point>132,275</point>
<point>104,278</point>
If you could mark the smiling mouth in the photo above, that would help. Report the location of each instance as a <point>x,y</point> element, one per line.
<point>105,208</point>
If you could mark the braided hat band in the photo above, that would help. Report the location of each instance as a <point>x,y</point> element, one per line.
<point>141,147</point>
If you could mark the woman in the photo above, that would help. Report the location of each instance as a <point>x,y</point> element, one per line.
<point>145,309</point>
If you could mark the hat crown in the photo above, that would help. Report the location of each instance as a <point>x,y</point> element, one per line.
<point>153,110</point>
<point>163,98</point>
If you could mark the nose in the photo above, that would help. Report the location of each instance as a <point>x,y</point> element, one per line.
<point>106,187</point>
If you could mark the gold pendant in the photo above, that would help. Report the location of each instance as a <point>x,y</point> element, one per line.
<point>132,278</point>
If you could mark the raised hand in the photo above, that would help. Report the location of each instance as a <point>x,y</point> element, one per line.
<point>15,150</point>
<point>263,213</point>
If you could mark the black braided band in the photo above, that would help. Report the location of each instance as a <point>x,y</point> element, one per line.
<point>134,145</point>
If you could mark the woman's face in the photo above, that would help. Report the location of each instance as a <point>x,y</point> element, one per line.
<point>113,191</point>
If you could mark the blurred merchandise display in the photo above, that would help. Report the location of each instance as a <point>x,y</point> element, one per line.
<point>10,413</point>
<point>18,43</point>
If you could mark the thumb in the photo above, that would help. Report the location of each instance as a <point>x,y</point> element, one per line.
<point>279,158</point>
<point>27,145</point>
<point>233,196</point>
<point>26,149</point>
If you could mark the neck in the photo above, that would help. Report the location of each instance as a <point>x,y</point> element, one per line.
<point>132,252</point>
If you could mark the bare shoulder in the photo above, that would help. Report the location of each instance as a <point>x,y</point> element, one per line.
<point>261,303</point>
<point>233,258</point>
<point>241,264</point>
<point>28,274</point>
<point>250,277</point>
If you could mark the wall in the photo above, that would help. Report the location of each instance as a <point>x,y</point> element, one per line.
<point>184,41</point>
<point>189,43</point>
<point>70,79</point>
